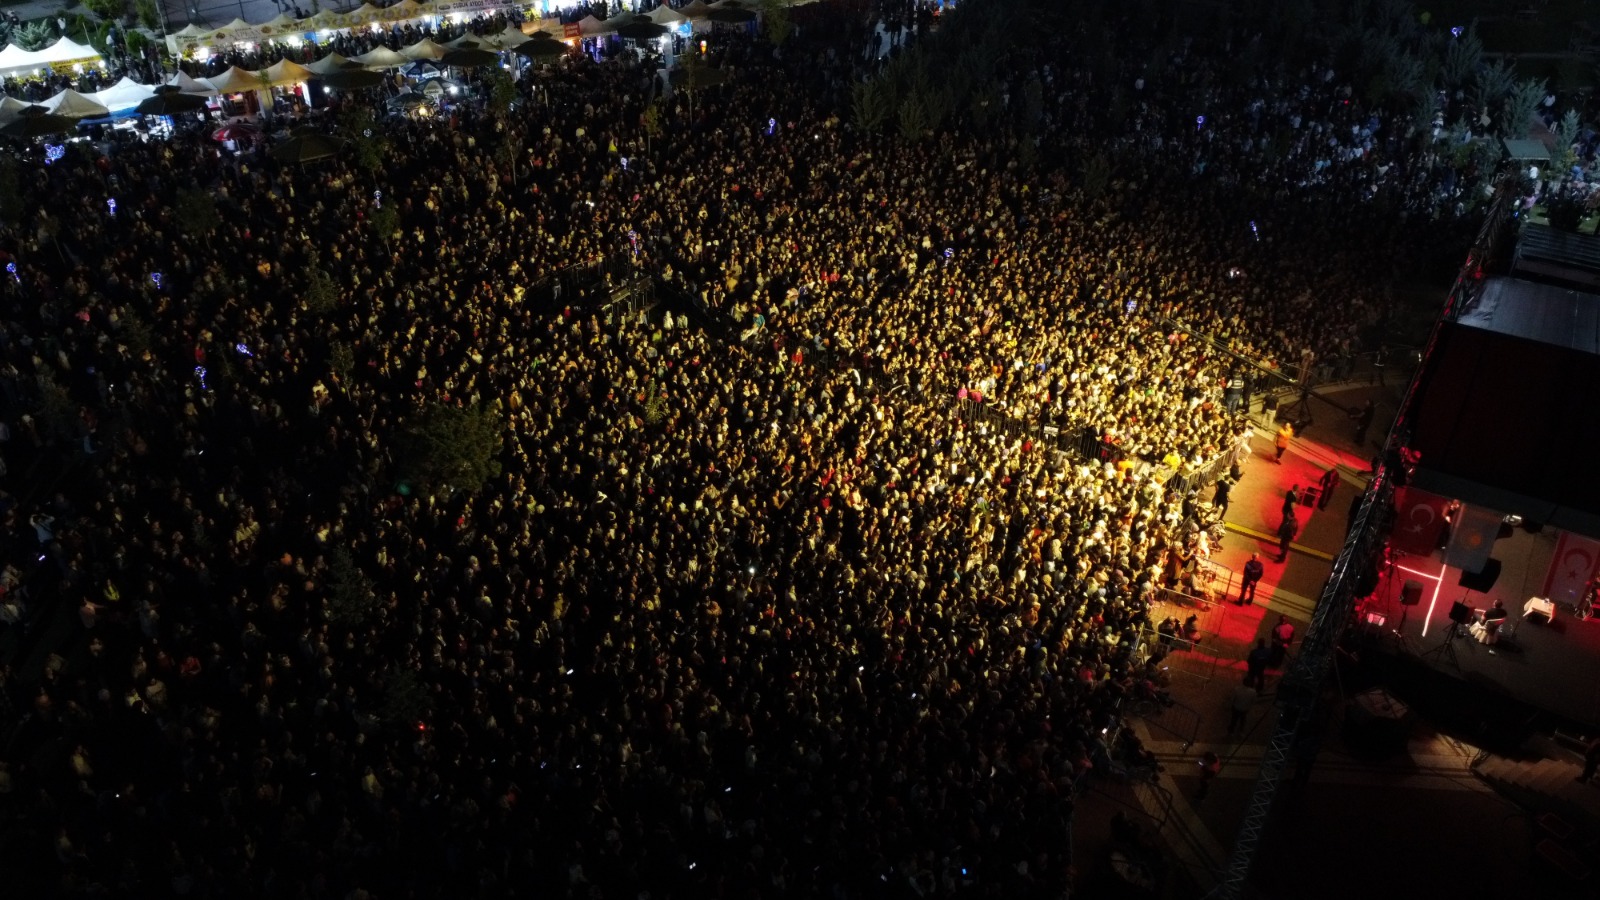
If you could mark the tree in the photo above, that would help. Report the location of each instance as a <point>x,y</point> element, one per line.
<point>1493,83</point>
<point>341,361</point>
<point>322,292</point>
<point>107,9</point>
<point>358,126</point>
<point>351,598</point>
<point>149,16</point>
<point>913,118</point>
<point>1565,157</point>
<point>35,36</point>
<point>1096,176</point>
<point>776,22</point>
<point>1461,59</point>
<point>196,212</point>
<point>405,698</point>
<point>58,412</point>
<point>1520,106</point>
<point>385,222</point>
<point>502,92</point>
<point>451,447</point>
<point>650,122</point>
<point>868,105</point>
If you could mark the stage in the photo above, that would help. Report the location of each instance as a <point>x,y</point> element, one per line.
<point>1552,666</point>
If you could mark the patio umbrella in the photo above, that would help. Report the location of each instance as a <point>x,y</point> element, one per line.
<point>307,148</point>
<point>468,58</point>
<point>420,69</point>
<point>409,100</point>
<point>438,87</point>
<point>542,48</point>
<point>352,79</point>
<point>36,122</point>
<point>641,30</point>
<point>169,103</point>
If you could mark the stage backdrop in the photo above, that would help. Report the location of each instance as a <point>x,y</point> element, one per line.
<point>1577,559</point>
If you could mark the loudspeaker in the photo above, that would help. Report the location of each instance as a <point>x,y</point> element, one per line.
<point>1482,582</point>
<point>1411,593</point>
<point>1460,613</point>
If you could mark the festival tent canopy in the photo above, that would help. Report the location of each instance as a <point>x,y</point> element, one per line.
<point>382,58</point>
<point>125,94</point>
<point>408,9</point>
<point>286,72</point>
<point>331,63</point>
<point>468,41</point>
<point>74,105</point>
<point>236,80</point>
<point>510,38</point>
<point>189,85</point>
<point>666,15</point>
<point>589,26</point>
<point>281,25</point>
<point>14,58</point>
<point>190,30</point>
<point>695,10</point>
<point>423,49</point>
<point>9,107</point>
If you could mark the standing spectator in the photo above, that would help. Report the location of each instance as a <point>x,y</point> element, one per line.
<point>1282,637</point>
<point>1244,699</point>
<point>1253,570</point>
<point>1286,536</point>
<point>1591,760</point>
<point>1291,498</point>
<point>1325,488</point>
<point>1285,434</point>
<point>1256,665</point>
<point>1220,499</point>
<point>1363,419</point>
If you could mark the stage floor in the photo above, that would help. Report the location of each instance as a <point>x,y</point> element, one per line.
<point>1553,666</point>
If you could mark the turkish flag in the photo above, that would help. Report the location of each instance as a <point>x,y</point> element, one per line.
<point>1575,562</point>
<point>1418,518</point>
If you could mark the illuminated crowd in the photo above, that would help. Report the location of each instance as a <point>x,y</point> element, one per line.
<point>756,611</point>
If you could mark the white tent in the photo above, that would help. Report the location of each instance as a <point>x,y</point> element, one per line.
<point>408,9</point>
<point>329,64</point>
<point>74,105</point>
<point>191,30</point>
<point>511,38</point>
<point>125,94</point>
<point>695,10</point>
<point>381,58</point>
<point>285,72</point>
<point>423,49</point>
<point>188,85</point>
<point>589,26</point>
<point>470,40</point>
<point>13,58</point>
<point>9,107</point>
<point>364,13</point>
<point>666,15</point>
<point>236,81</point>
<point>281,26</point>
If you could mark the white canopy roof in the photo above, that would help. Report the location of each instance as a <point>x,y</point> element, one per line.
<point>13,58</point>
<point>471,40</point>
<point>329,64</point>
<point>74,105</point>
<point>286,72</point>
<point>191,30</point>
<point>236,80</point>
<point>511,37</point>
<point>10,106</point>
<point>423,49</point>
<point>695,10</point>
<point>188,85</point>
<point>282,24</point>
<point>666,15</point>
<point>382,58</point>
<point>590,25</point>
<point>125,94</point>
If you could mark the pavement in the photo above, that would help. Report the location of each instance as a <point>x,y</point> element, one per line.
<point>1411,821</point>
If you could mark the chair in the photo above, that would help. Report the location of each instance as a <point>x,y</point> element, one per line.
<point>1486,631</point>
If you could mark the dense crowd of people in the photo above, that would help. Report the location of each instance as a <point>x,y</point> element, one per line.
<point>758,611</point>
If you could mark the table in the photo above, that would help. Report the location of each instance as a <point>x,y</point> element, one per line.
<point>1541,605</point>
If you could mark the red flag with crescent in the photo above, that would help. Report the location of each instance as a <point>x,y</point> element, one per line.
<point>1419,516</point>
<point>1576,560</point>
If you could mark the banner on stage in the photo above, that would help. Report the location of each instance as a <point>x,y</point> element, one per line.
<point>1472,538</point>
<point>1419,517</point>
<point>1577,559</point>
